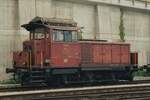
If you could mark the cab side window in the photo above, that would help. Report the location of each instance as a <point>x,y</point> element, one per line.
<point>74,36</point>
<point>65,36</point>
<point>58,35</point>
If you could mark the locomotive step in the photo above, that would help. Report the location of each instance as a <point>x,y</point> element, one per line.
<point>37,69</point>
<point>37,72</point>
<point>37,77</point>
<point>37,81</point>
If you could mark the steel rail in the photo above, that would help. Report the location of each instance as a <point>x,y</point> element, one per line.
<point>121,92</point>
<point>21,88</point>
<point>12,88</point>
<point>102,95</point>
<point>99,96</point>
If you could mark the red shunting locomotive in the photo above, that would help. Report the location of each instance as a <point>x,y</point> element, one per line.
<point>55,55</point>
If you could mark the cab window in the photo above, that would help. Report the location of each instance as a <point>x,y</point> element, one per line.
<point>74,36</point>
<point>65,36</point>
<point>39,33</point>
<point>58,35</point>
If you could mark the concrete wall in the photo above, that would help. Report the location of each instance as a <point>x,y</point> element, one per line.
<point>81,13</point>
<point>108,22</point>
<point>100,18</point>
<point>8,33</point>
<point>138,33</point>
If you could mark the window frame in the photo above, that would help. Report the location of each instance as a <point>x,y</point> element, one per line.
<point>63,32</point>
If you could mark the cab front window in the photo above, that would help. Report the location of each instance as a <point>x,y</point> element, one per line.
<point>39,33</point>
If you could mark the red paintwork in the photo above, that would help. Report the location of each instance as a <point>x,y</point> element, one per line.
<point>116,54</point>
<point>40,50</point>
<point>45,52</point>
<point>76,54</point>
<point>65,55</point>
<point>106,48</point>
<point>97,54</point>
<point>86,53</point>
<point>20,59</point>
<point>125,54</point>
<point>108,53</point>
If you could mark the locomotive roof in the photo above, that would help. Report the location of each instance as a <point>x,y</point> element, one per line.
<point>102,42</point>
<point>47,22</point>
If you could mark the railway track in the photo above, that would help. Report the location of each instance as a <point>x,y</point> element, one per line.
<point>114,92</point>
<point>18,87</point>
<point>21,88</point>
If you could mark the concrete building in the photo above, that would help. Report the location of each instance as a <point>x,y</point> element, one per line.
<point>100,19</point>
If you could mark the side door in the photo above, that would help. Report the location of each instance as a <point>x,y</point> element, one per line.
<point>106,53</point>
<point>125,54</point>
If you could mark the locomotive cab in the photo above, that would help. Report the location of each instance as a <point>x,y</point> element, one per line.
<point>38,50</point>
<point>37,45</point>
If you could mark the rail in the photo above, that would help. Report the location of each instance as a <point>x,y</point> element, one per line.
<point>19,87</point>
<point>115,92</point>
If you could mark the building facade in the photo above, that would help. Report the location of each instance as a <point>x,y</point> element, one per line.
<point>100,19</point>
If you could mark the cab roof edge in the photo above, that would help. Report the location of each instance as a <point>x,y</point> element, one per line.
<point>45,22</point>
